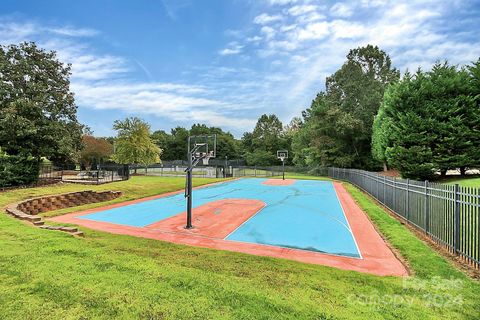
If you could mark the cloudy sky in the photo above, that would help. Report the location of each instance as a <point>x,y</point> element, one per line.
<point>226,62</point>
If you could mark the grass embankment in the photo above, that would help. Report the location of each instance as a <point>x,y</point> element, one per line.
<point>50,275</point>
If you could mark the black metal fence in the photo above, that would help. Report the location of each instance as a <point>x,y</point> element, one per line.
<point>70,173</point>
<point>208,171</point>
<point>449,214</point>
<point>212,162</point>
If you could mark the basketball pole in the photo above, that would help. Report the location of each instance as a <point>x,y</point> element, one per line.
<point>189,192</point>
<point>193,160</point>
<point>283,169</point>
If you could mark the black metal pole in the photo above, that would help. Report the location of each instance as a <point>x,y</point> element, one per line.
<point>189,192</point>
<point>225,169</point>
<point>283,169</point>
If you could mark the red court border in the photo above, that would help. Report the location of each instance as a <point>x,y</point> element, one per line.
<point>377,258</point>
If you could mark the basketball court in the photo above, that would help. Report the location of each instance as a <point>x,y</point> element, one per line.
<point>305,220</point>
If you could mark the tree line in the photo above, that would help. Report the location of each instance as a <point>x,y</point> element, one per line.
<point>368,116</point>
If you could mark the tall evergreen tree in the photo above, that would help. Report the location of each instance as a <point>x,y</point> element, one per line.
<point>430,122</point>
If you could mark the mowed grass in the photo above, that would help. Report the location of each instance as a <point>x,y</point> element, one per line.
<point>51,275</point>
<point>304,176</point>
<point>473,182</point>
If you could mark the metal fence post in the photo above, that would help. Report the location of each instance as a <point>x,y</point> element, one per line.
<point>384,187</point>
<point>394,205</point>
<point>407,202</point>
<point>456,230</point>
<point>427,209</point>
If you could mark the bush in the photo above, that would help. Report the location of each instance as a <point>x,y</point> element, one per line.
<point>18,171</point>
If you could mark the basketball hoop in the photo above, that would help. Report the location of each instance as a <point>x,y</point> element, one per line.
<point>282,155</point>
<point>206,157</point>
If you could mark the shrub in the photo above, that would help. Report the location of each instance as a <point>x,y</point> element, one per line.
<point>18,171</point>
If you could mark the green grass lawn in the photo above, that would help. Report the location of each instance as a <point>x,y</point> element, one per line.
<point>52,275</point>
<point>298,175</point>
<point>464,181</point>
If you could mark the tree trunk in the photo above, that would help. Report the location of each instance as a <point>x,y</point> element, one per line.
<point>462,171</point>
<point>443,172</point>
<point>385,167</point>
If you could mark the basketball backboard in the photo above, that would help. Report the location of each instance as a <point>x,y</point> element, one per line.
<point>282,154</point>
<point>203,146</point>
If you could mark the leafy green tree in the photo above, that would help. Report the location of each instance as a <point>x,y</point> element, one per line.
<point>227,146</point>
<point>165,142</point>
<point>260,158</point>
<point>134,144</point>
<point>175,144</point>
<point>260,146</point>
<point>430,122</point>
<point>38,115</point>
<point>337,127</point>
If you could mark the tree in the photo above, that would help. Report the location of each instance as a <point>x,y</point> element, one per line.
<point>175,144</point>
<point>38,115</point>
<point>260,146</point>
<point>337,127</point>
<point>134,144</point>
<point>165,142</point>
<point>95,150</point>
<point>430,122</point>
<point>227,146</point>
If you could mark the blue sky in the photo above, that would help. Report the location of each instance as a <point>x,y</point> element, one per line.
<point>226,62</point>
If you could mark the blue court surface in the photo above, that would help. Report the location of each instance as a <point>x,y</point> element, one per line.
<point>306,215</point>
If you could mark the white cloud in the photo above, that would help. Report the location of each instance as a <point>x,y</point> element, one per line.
<point>317,30</point>
<point>373,3</point>
<point>344,29</point>
<point>310,17</point>
<point>233,48</point>
<point>266,19</point>
<point>254,39</point>
<point>73,32</point>
<point>283,45</point>
<point>301,9</point>
<point>341,10</point>
<point>269,32</point>
<point>288,27</point>
<point>12,32</point>
<point>282,2</point>
<point>229,51</point>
